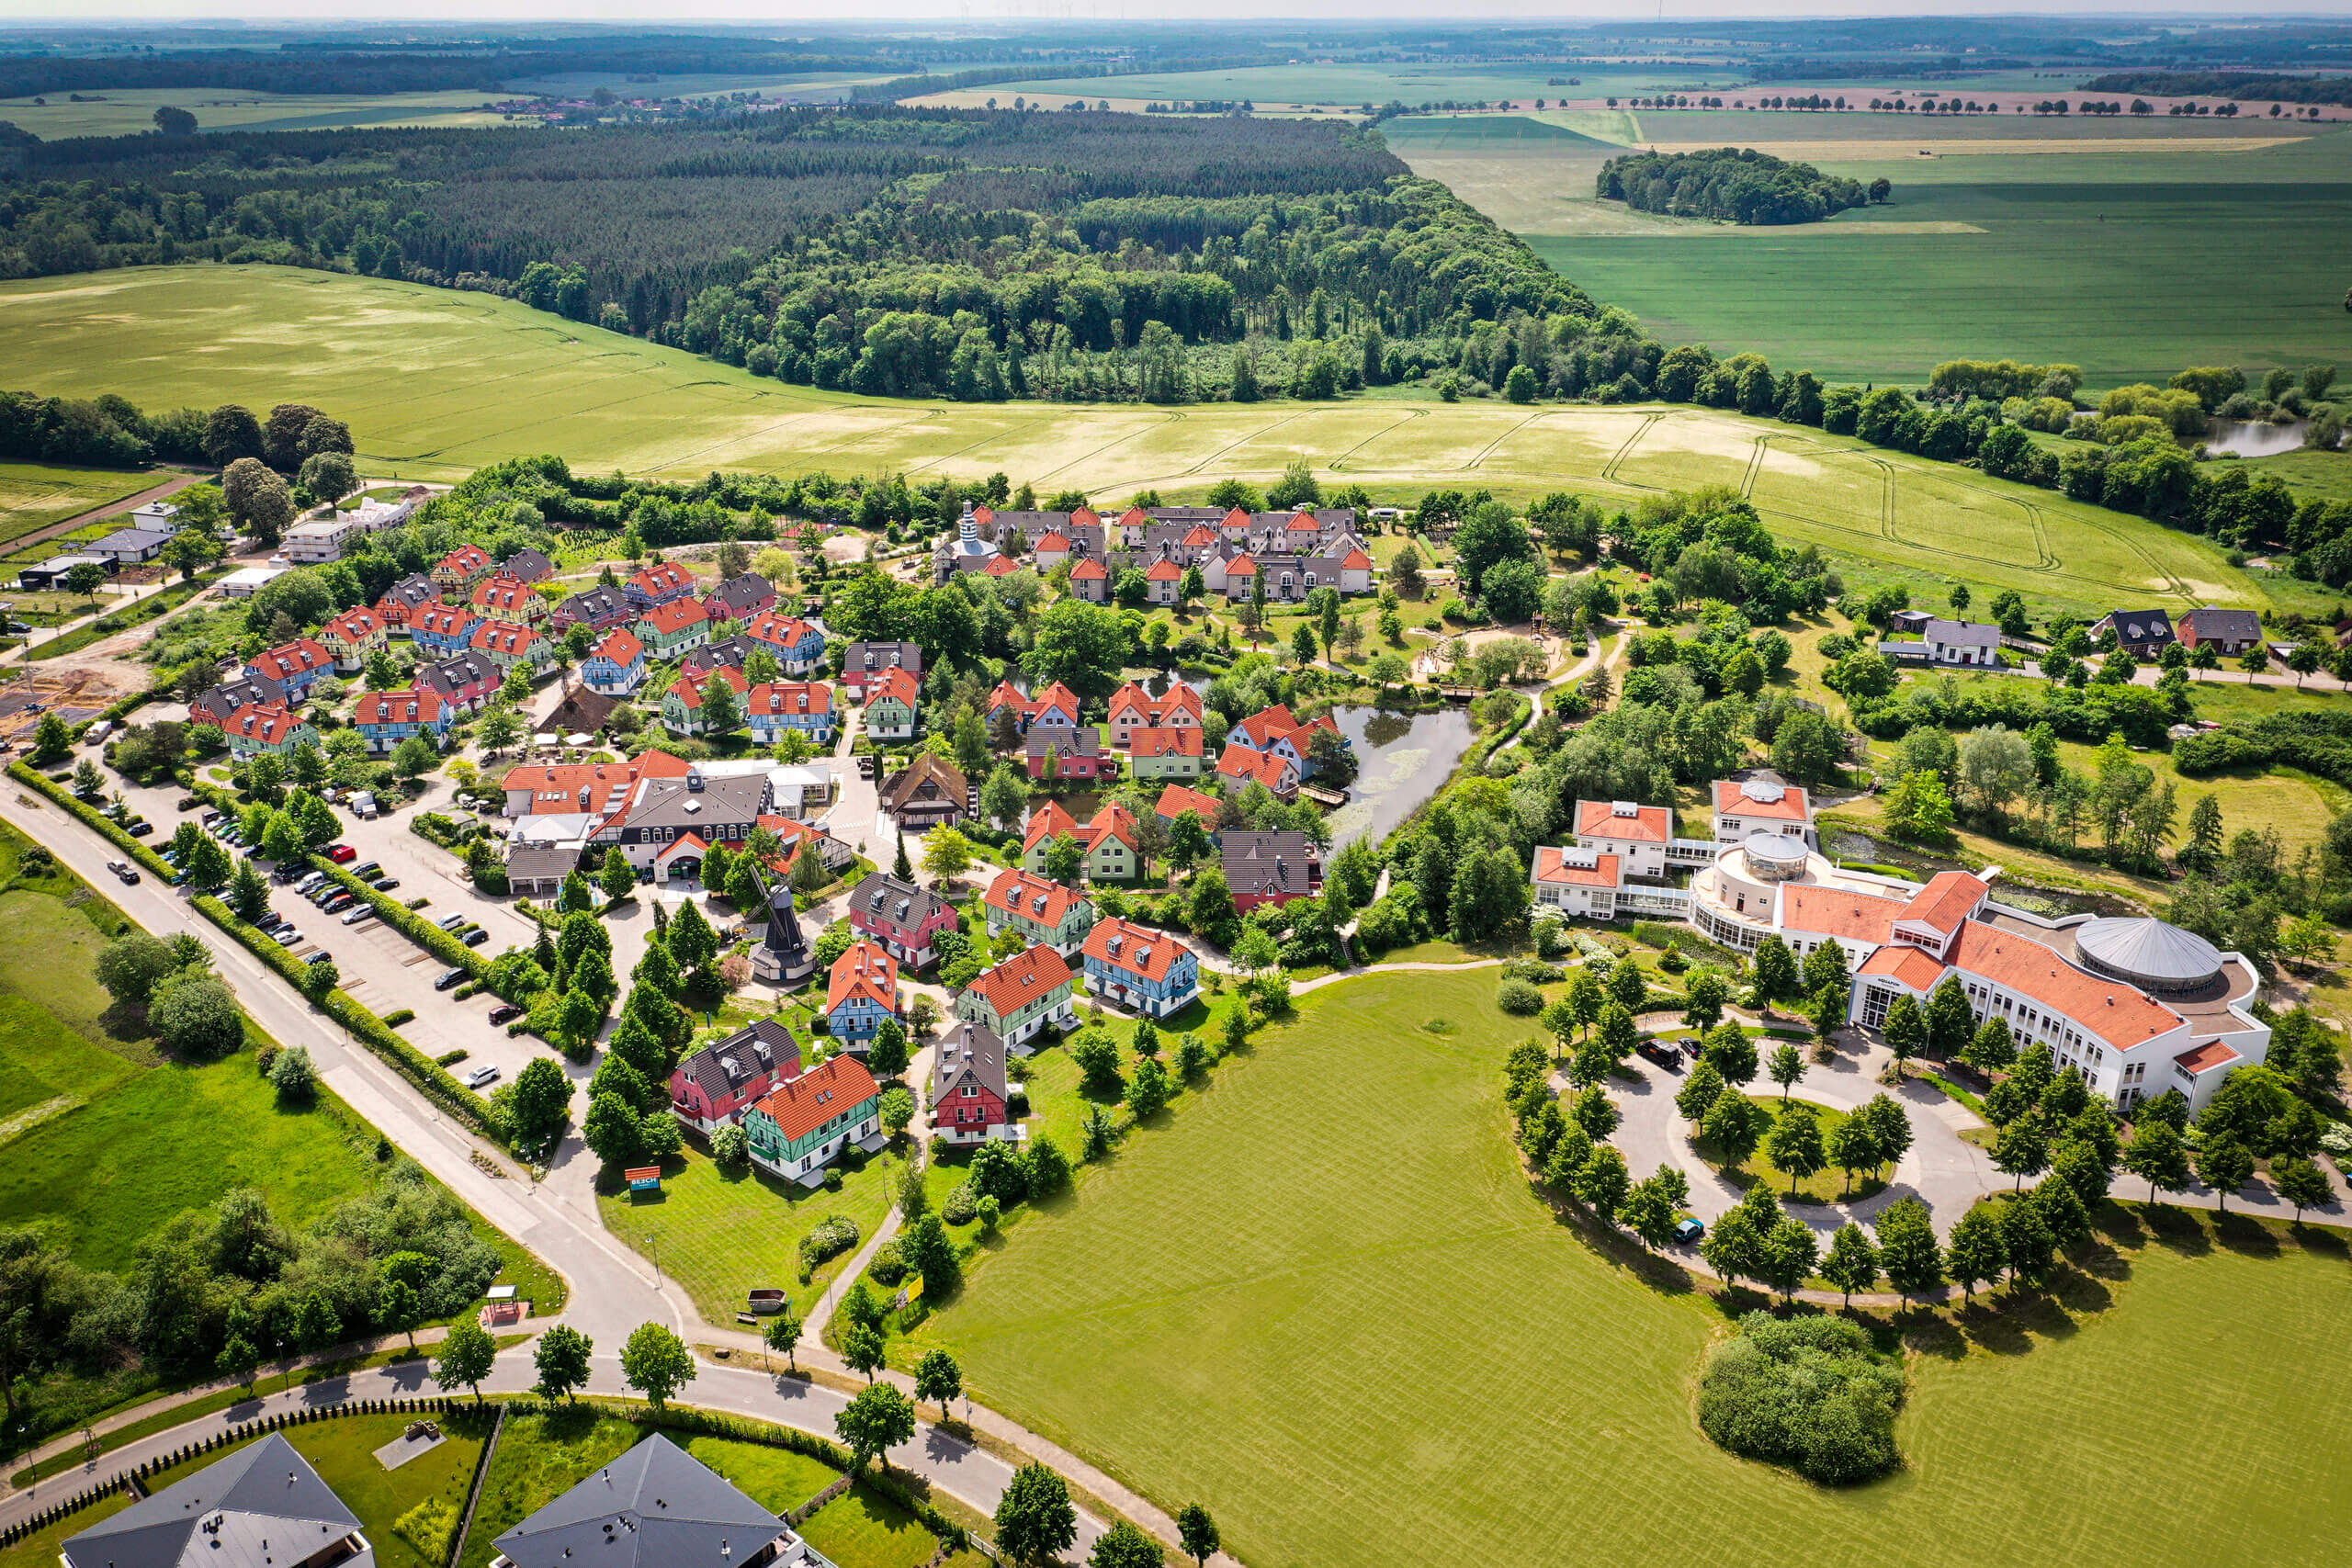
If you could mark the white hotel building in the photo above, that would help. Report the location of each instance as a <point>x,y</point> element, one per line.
<point>2138,1006</point>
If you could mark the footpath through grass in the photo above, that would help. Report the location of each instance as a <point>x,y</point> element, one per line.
<point>1361,1339</point>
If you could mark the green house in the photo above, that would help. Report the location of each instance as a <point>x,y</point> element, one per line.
<point>804,1126</point>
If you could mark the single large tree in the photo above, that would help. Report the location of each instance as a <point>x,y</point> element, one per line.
<point>877,1420</point>
<point>937,1377</point>
<point>466,1355</point>
<point>1976,1255</point>
<point>1034,1519</point>
<point>1852,1263</point>
<point>1908,1249</point>
<point>656,1363</point>
<point>561,1361</point>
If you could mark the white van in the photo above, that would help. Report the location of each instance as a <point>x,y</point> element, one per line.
<point>98,733</point>
<point>363,804</point>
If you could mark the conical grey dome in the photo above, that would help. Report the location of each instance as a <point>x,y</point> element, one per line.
<point>2148,953</point>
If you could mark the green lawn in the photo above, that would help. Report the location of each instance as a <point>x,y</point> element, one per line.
<point>722,1236</point>
<point>864,1529</point>
<point>1824,1186</point>
<point>343,1453</point>
<point>34,495</point>
<point>1393,1341</point>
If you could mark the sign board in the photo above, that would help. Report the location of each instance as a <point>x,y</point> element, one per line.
<point>645,1179</point>
<point>914,1289</point>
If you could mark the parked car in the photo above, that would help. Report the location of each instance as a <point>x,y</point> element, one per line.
<point>339,903</point>
<point>342,854</point>
<point>449,978</point>
<point>474,937</point>
<point>450,922</point>
<point>125,870</point>
<point>270,920</point>
<point>169,857</point>
<point>484,1074</point>
<point>322,956</point>
<point>99,732</point>
<point>385,883</point>
<point>1687,1229</point>
<point>363,871</point>
<point>505,1013</point>
<point>311,881</point>
<point>354,917</point>
<point>208,819</point>
<point>288,936</point>
<point>1665,1052</point>
<point>141,827</point>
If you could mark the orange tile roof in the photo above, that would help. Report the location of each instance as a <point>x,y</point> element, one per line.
<point>504,636</point>
<point>443,619</point>
<point>784,631</point>
<point>1054,541</point>
<point>690,690</point>
<point>1915,967</point>
<point>1236,518</point>
<point>1176,800</point>
<point>1138,950</point>
<point>1239,567</point>
<point>1056,696</point>
<point>1648,825</point>
<point>1791,807</point>
<point>1267,725</point>
<point>1164,572</point>
<point>1837,912</point>
<point>1032,898</point>
<point>1185,741</point>
<point>788,696</point>
<point>1550,865</point>
<point>835,1087</point>
<point>663,579</point>
<point>1245,766</point>
<point>1088,570</point>
<point>417,705</point>
<point>866,970</point>
<point>1085,518</point>
<point>622,647</point>
<point>1022,979</point>
<point>1135,516</point>
<point>1113,821</point>
<point>1950,897</point>
<point>1201,538</point>
<point>1049,821</point>
<point>555,787</point>
<point>466,560</point>
<point>2113,1012</point>
<point>504,592</point>
<point>353,625</point>
<point>895,682</point>
<point>269,723</point>
<point>1002,566</point>
<point>1302,521</point>
<point>676,616</point>
<point>294,658</point>
<point>1356,560</point>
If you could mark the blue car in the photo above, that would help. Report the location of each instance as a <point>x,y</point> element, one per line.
<point>1687,1230</point>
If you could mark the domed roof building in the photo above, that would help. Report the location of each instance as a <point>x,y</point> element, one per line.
<point>2148,953</point>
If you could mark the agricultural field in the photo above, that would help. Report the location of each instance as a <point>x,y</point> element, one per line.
<point>163,336</point>
<point>1306,1303</point>
<point>1273,88</point>
<point>130,111</point>
<point>2087,242</point>
<point>34,495</point>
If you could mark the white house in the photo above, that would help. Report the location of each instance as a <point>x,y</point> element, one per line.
<point>1748,807</point>
<point>1638,835</point>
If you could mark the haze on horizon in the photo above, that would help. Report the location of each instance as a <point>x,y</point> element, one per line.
<point>50,13</point>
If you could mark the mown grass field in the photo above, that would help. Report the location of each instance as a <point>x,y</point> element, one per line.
<point>435,383</point>
<point>34,495</point>
<point>1396,1354</point>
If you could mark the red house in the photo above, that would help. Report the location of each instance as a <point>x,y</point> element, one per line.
<point>1074,754</point>
<point>902,916</point>
<point>968,1094</point>
<point>720,1082</point>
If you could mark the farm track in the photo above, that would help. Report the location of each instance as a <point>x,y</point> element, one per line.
<point>1411,414</point>
<point>1263,430</point>
<point>1488,449</point>
<point>1609,469</point>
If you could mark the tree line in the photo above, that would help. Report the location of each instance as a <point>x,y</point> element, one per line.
<point>1738,184</point>
<point>2226,85</point>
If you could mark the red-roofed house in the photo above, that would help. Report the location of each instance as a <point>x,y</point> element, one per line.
<point>506,645</point>
<point>617,666</point>
<point>682,704</point>
<point>504,598</point>
<point>861,993</point>
<point>603,788</point>
<point>1638,835</point>
<point>387,718</point>
<point>659,585</point>
<point>1576,881</point>
<point>1167,753</point>
<point>1133,708</point>
<point>1051,549</point>
<point>298,666</point>
<point>804,1123</point>
<point>777,708</point>
<point>267,727</point>
<point>1047,823</point>
<point>799,646</point>
<point>1047,914</point>
<point>1747,806</point>
<point>455,574</point>
<point>1136,966</point>
<point>1176,799</point>
<point>1020,996</point>
<point>1277,732</point>
<point>1057,704</point>
<point>352,637</point>
<point>1161,580</point>
<point>1238,767</point>
<point>1090,580</point>
<point>671,628</point>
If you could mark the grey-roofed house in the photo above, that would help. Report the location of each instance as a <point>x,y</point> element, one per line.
<point>129,544</point>
<point>719,1083</point>
<point>863,660</point>
<point>221,703</point>
<point>1949,642</point>
<point>52,573</point>
<point>741,596</point>
<point>731,652</point>
<point>2139,633</point>
<point>527,566</point>
<point>655,1507</point>
<point>970,1099</point>
<point>262,1506</point>
<point>1270,868</point>
<point>536,871</point>
<point>721,809</point>
<point>2230,631</point>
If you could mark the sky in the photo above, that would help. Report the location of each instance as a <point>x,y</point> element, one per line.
<point>687,12</point>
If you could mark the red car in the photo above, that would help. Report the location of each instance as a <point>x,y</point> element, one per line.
<point>342,854</point>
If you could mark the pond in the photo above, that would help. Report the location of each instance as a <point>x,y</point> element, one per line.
<point>1402,760</point>
<point>2253,437</point>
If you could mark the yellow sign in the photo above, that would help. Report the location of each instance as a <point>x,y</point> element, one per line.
<point>914,1289</point>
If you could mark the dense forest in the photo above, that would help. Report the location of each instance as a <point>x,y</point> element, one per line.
<point>2245,85</point>
<point>1738,184</point>
<point>977,254</point>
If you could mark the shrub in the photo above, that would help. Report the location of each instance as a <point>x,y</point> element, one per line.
<point>1519,998</point>
<point>830,1236</point>
<point>1534,970</point>
<point>888,1265</point>
<point>1808,1392</point>
<point>960,1207</point>
<point>447,1058</point>
<point>399,1016</point>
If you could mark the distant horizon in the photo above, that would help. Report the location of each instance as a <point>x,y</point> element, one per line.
<point>48,16</point>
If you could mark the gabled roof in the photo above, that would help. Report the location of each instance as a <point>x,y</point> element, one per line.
<point>1055,695</point>
<point>445,620</point>
<point>968,1051</point>
<point>1032,898</point>
<point>1054,539</point>
<point>1164,572</point>
<point>353,625</point>
<point>782,631</point>
<point>1048,821</point>
<point>1176,800</point>
<point>674,616</point>
<point>900,903</point>
<point>654,1507</point>
<point>221,1516</point>
<point>860,658</point>
<point>895,684</point>
<point>1188,741</point>
<point>527,566</point>
<point>741,594</point>
<point>594,603</point>
<point>721,1069</point>
<point>927,768</point>
<point>1269,725</point>
<point>1020,979</point>
<point>290,660</point>
<point>267,722</point>
<point>1113,821</point>
<point>454,674</point>
<point>411,592</point>
<point>465,560</point>
<point>1245,767</point>
<point>1269,863</point>
<point>1061,741</point>
<point>864,971</point>
<point>1138,950</point>
<point>1915,967</point>
<point>788,698</point>
<point>1088,570</point>
<point>667,577</point>
<point>503,594</point>
<point>2110,1010</point>
<point>689,690</point>
<point>2211,621</point>
<point>836,1087</point>
<point>1950,897</point>
<point>504,636</point>
<point>1626,820</point>
<point>620,646</point>
<point>412,705</point>
<point>557,787</point>
<point>239,691</point>
<point>1002,566</point>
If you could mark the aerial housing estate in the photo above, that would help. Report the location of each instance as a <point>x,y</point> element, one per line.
<point>2137,1006</point>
